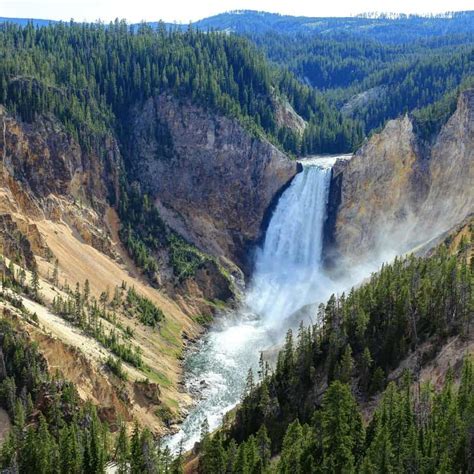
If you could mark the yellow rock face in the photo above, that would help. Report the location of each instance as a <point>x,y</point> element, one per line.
<point>393,196</point>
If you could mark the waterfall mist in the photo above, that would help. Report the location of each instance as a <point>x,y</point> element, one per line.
<point>288,276</point>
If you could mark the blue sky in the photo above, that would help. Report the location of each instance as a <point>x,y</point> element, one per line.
<point>190,10</point>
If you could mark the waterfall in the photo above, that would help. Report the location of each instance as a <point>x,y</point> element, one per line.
<point>287,276</point>
<point>288,272</point>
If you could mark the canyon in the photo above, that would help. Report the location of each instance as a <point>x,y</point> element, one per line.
<point>215,184</point>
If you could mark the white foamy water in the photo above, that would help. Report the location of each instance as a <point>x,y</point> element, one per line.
<point>288,275</point>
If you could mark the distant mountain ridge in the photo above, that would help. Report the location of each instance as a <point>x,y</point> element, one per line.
<point>24,21</point>
<point>385,27</point>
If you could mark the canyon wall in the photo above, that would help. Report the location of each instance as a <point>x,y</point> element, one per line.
<point>46,174</point>
<point>214,182</point>
<point>394,194</point>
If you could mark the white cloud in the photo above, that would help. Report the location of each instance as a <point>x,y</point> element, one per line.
<point>186,10</point>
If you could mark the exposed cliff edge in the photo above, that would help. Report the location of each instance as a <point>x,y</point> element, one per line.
<point>46,174</point>
<point>392,195</point>
<point>214,182</point>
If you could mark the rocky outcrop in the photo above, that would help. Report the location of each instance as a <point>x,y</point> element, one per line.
<point>45,173</point>
<point>359,102</point>
<point>392,196</point>
<point>286,116</point>
<point>45,160</point>
<point>211,179</point>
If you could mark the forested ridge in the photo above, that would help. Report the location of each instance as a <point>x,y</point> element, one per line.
<point>309,409</point>
<point>396,78</point>
<point>409,61</point>
<point>412,430</point>
<point>89,75</point>
<point>384,27</point>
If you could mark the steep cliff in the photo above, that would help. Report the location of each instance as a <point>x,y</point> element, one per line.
<point>46,160</point>
<point>46,174</point>
<point>394,194</point>
<point>214,181</point>
<point>451,194</point>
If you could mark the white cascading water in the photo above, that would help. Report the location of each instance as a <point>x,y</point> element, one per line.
<point>287,277</point>
<point>288,272</point>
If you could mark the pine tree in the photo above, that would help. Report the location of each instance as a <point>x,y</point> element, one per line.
<point>149,453</point>
<point>137,462</point>
<point>8,453</point>
<point>378,381</point>
<point>122,450</point>
<point>249,383</point>
<point>77,304</point>
<point>213,458</point>
<point>346,366</point>
<point>343,432</point>
<point>94,457</point>
<point>70,450</point>
<point>56,273</point>
<point>231,454</point>
<point>292,450</point>
<point>45,449</point>
<point>19,416</point>
<point>365,366</point>
<point>87,292</point>
<point>264,446</point>
<point>380,456</point>
<point>35,285</point>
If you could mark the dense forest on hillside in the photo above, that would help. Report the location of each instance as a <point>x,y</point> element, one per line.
<point>89,76</point>
<point>50,428</point>
<point>412,430</point>
<point>329,63</point>
<point>343,86</point>
<point>372,81</point>
<point>307,408</point>
<point>386,28</point>
<point>373,68</point>
<point>53,430</point>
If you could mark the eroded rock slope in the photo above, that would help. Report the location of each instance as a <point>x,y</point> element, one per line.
<point>214,182</point>
<point>395,194</point>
